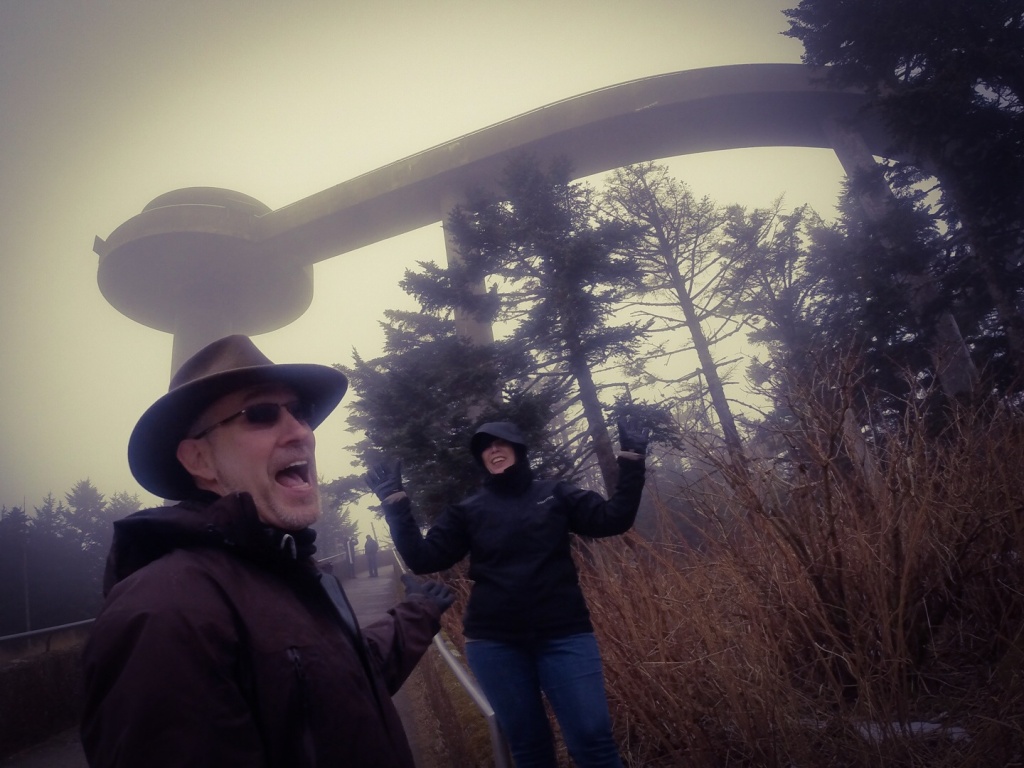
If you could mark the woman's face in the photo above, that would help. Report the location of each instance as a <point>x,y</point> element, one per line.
<point>498,456</point>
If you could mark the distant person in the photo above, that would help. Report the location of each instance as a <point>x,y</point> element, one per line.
<point>220,643</point>
<point>350,557</point>
<point>527,625</point>
<point>371,555</point>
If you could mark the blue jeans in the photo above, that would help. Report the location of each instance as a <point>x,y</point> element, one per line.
<point>568,671</point>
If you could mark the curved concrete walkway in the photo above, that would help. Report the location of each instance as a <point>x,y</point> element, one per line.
<point>247,268</point>
<point>371,598</point>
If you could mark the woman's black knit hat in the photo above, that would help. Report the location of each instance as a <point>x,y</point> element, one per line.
<point>487,433</point>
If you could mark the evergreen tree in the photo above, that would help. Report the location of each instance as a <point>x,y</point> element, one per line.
<point>87,512</point>
<point>56,562</point>
<point>15,605</point>
<point>770,279</point>
<point>51,519</point>
<point>336,526</point>
<point>92,517</point>
<point>421,399</point>
<point>684,273</point>
<point>121,505</point>
<point>559,274</point>
<point>947,78</point>
<point>816,293</point>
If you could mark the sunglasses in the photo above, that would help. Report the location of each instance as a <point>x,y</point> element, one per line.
<point>266,415</point>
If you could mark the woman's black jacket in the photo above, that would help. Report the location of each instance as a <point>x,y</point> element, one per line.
<point>518,542</point>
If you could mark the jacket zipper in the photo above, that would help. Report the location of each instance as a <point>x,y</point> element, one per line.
<point>299,711</point>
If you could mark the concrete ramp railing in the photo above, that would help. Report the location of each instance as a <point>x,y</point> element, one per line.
<point>27,644</point>
<point>502,758</point>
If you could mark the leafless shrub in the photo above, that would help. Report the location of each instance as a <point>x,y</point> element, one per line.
<point>855,598</point>
<point>859,604</point>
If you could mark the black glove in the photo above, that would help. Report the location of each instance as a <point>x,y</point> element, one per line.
<point>634,437</point>
<point>435,590</point>
<point>385,478</point>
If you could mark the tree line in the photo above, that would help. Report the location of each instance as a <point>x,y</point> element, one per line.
<point>582,292</point>
<point>857,564</point>
<point>52,558</point>
<point>915,290</point>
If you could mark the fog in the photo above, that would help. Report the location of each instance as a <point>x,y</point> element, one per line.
<point>107,104</point>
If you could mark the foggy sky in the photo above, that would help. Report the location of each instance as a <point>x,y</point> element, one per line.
<point>106,104</point>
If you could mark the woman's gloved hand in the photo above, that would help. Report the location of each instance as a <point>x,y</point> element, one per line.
<point>385,478</point>
<point>633,438</point>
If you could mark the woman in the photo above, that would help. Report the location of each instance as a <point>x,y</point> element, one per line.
<point>527,625</point>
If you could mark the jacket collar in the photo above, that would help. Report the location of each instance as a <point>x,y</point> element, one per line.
<point>206,520</point>
<point>513,481</point>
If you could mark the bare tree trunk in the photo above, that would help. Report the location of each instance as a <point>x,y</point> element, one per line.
<point>594,413</point>
<point>716,388</point>
<point>710,369</point>
<point>467,326</point>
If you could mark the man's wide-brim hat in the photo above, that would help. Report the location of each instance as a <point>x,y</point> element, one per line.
<point>218,369</point>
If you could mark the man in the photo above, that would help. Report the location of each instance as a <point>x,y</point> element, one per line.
<point>220,643</point>
<point>371,555</point>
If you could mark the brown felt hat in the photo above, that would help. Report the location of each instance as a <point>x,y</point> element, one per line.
<point>218,369</point>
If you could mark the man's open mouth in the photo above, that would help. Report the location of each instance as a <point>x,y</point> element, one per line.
<point>295,475</point>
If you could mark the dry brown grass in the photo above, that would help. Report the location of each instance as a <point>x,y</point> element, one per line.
<point>862,588</point>
<point>844,592</point>
<point>449,729</point>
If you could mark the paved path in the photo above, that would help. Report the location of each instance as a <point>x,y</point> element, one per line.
<point>62,751</point>
<point>370,598</point>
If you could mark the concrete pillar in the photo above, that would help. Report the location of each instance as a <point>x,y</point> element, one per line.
<point>470,328</point>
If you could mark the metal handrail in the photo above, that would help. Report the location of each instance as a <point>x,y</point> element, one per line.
<point>39,642</point>
<point>499,746</point>
<point>45,630</point>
